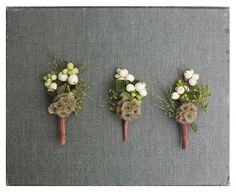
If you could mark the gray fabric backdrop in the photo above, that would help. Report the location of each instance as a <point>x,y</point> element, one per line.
<point>151,43</point>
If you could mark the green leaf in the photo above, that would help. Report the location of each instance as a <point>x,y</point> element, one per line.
<point>81,69</point>
<point>194,127</point>
<point>120,86</point>
<point>51,94</point>
<point>61,89</point>
<point>135,81</point>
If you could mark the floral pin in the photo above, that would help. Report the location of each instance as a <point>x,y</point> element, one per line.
<point>66,90</point>
<point>182,102</point>
<point>126,97</point>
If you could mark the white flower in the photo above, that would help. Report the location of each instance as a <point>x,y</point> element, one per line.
<point>53,77</point>
<point>139,86</point>
<point>180,89</point>
<point>186,88</point>
<point>73,79</point>
<point>143,92</point>
<point>53,86</point>
<point>195,76</point>
<point>130,88</point>
<point>123,72</point>
<point>188,74</point>
<point>175,96</point>
<point>62,77</point>
<point>130,77</point>
<point>191,70</point>
<point>117,76</point>
<point>192,82</point>
<point>118,70</point>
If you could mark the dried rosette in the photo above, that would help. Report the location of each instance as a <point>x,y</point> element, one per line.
<point>182,102</point>
<point>66,90</point>
<point>126,97</point>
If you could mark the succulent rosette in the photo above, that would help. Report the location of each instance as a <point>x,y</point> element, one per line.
<point>66,90</point>
<point>126,97</point>
<point>182,102</point>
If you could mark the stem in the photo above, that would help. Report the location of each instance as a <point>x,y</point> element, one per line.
<point>125,130</point>
<point>185,134</point>
<point>62,127</point>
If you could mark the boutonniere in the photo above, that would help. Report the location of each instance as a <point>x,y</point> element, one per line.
<point>183,101</point>
<point>66,90</point>
<point>126,97</point>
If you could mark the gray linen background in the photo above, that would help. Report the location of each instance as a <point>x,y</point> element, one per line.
<point>151,43</point>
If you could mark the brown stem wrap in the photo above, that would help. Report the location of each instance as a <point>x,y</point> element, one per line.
<point>185,134</point>
<point>125,130</point>
<point>62,127</point>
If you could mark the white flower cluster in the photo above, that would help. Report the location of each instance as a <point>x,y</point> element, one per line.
<point>191,77</point>
<point>123,74</point>
<point>180,88</point>
<point>138,89</point>
<point>68,74</point>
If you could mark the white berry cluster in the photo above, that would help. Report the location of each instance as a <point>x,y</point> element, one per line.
<point>49,84</point>
<point>68,74</point>
<point>123,74</point>
<point>180,90</point>
<point>191,77</point>
<point>136,89</point>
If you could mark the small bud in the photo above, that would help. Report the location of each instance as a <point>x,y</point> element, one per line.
<point>139,98</point>
<point>54,77</point>
<point>133,94</point>
<point>65,71</point>
<point>75,71</point>
<point>45,78</point>
<point>69,72</point>
<point>70,66</point>
<point>49,80</point>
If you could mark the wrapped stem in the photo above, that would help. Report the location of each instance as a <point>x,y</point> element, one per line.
<point>185,135</point>
<point>62,127</point>
<point>125,130</point>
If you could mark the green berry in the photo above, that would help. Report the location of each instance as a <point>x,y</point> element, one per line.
<point>70,66</point>
<point>45,77</point>
<point>46,84</point>
<point>179,83</point>
<point>133,94</point>
<point>53,77</point>
<point>65,71</point>
<point>139,98</point>
<point>69,72</point>
<point>49,75</point>
<point>49,80</point>
<point>75,71</point>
